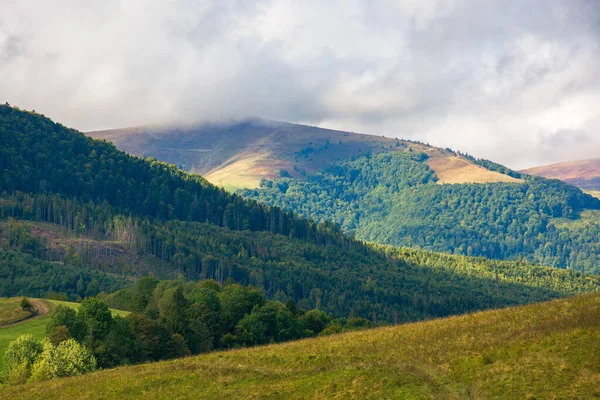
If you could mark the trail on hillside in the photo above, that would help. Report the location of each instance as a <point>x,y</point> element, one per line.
<point>41,309</point>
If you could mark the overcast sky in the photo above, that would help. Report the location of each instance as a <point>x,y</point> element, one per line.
<point>513,81</point>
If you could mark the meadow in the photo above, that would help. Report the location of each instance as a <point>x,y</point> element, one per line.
<point>35,326</point>
<point>547,350</point>
<point>12,312</point>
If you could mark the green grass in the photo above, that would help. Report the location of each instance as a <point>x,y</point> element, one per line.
<point>11,311</point>
<point>75,306</point>
<point>548,350</point>
<point>35,327</point>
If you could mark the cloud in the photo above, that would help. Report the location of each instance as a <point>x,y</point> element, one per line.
<point>495,78</point>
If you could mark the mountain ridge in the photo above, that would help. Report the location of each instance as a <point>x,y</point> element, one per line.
<point>239,155</point>
<point>585,174</point>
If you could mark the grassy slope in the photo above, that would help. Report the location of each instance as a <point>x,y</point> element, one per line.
<point>11,311</point>
<point>238,155</point>
<point>582,173</point>
<point>35,327</point>
<point>452,170</point>
<point>548,350</point>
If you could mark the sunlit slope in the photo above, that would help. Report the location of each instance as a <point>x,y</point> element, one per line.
<point>548,350</point>
<point>584,174</point>
<point>239,154</point>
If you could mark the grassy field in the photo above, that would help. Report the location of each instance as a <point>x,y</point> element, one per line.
<point>450,169</point>
<point>11,311</point>
<point>35,326</point>
<point>543,351</point>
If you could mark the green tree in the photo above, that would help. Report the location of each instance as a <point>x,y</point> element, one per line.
<point>69,358</point>
<point>316,321</point>
<point>67,317</point>
<point>19,357</point>
<point>175,314</point>
<point>95,315</point>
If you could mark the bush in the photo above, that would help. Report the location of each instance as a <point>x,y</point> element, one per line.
<point>26,305</point>
<point>29,359</point>
<point>69,358</point>
<point>19,357</point>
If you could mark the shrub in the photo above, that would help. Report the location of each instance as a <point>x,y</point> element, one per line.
<point>26,305</point>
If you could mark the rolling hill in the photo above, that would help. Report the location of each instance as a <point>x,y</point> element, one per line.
<point>548,350</point>
<point>238,155</point>
<point>584,174</point>
<point>89,216</point>
<point>385,190</point>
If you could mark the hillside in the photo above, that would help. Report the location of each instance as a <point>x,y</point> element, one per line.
<point>373,282</point>
<point>89,217</point>
<point>395,198</point>
<point>549,350</point>
<point>584,174</point>
<point>384,190</point>
<point>239,154</point>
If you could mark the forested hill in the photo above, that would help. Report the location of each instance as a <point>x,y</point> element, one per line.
<point>396,198</point>
<point>40,156</point>
<point>72,203</point>
<point>386,190</point>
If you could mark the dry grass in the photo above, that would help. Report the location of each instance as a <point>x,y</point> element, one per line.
<point>549,350</point>
<point>239,158</point>
<point>582,169</point>
<point>243,171</point>
<point>452,169</point>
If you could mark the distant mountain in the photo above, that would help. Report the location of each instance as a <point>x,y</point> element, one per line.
<point>238,155</point>
<point>584,174</point>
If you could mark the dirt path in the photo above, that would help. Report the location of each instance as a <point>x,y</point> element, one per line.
<point>41,309</point>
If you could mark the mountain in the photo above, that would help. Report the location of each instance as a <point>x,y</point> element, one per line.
<point>76,202</point>
<point>584,174</point>
<point>239,154</point>
<point>540,351</point>
<point>387,191</point>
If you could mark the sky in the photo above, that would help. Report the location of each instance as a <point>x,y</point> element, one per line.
<point>514,81</point>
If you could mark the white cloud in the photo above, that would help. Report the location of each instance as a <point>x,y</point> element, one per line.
<point>498,79</point>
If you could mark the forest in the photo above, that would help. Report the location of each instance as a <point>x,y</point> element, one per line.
<point>114,238</point>
<point>347,279</point>
<point>394,199</point>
